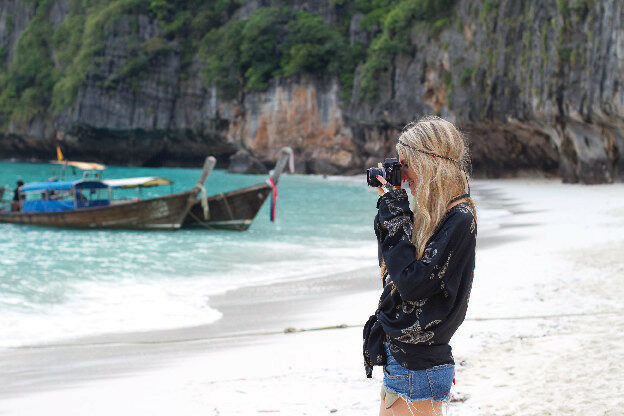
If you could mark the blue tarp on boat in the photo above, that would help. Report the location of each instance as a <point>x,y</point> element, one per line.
<point>47,206</point>
<point>44,205</point>
<point>50,203</point>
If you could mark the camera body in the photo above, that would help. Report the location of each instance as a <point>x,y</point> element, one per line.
<point>390,171</point>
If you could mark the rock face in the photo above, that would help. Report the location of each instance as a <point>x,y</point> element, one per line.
<point>535,88</point>
<point>527,96</point>
<point>243,162</point>
<point>303,114</point>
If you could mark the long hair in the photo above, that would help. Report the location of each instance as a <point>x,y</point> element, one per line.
<point>438,154</point>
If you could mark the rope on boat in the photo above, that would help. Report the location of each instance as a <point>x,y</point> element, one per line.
<point>227,206</point>
<point>275,174</point>
<point>203,195</point>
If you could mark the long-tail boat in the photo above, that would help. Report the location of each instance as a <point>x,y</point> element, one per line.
<point>87,203</point>
<point>236,210</point>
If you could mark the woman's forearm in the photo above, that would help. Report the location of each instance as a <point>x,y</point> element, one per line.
<point>414,278</point>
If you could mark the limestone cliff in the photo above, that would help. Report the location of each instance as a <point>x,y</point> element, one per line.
<point>536,86</point>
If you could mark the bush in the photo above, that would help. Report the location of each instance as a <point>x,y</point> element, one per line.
<point>246,54</point>
<point>394,37</point>
<point>29,80</point>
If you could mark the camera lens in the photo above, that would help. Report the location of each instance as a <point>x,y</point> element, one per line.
<point>371,176</point>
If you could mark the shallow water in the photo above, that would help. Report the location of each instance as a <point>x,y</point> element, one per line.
<point>57,283</point>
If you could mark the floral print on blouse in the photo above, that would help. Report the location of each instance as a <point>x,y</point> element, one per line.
<point>423,301</point>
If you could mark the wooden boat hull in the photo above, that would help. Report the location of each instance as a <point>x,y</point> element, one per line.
<point>165,213</point>
<point>233,210</point>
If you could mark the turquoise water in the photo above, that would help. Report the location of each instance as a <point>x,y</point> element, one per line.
<point>57,283</point>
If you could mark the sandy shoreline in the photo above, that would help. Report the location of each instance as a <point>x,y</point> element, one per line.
<point>542,335</point>
<point>249,313</point>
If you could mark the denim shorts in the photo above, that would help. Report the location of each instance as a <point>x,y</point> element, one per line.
<point>433,383</point>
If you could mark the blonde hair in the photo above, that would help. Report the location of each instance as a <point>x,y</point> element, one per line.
<point>438,154</point>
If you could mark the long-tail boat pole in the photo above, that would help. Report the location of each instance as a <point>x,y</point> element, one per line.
<point>209,164</point>
<point>286,155</point>
<point>198,189</point>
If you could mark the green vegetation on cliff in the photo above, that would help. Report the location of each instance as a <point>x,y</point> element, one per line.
<point>26,83</point>
<point>113,42</point>
<point>396,21</point>
<point>50,64</point>
<point>270,43</point>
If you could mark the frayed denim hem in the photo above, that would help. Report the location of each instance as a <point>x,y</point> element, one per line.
<point>388,402</point>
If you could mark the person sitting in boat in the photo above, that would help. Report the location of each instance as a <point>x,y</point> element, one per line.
<point>80,197</point>
<point>15,204</point>
<point>54,195</point>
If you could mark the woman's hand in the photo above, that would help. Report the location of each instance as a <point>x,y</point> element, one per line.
<point>381,190</point>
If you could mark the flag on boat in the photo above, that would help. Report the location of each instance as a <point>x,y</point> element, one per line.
<point>59,154</point>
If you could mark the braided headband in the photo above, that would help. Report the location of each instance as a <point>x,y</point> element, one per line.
<point>433,154</point>
<point>467,194</point>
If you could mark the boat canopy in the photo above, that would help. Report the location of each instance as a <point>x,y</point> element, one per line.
<point>62,186</point>
<point>80,165</point>
<point>145,181</point>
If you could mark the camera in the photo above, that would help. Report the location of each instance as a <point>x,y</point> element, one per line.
<point>390,171</point>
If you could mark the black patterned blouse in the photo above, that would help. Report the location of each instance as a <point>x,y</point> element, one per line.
<point>424,301</point>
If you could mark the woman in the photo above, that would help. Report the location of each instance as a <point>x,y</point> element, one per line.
<point>426,255</point>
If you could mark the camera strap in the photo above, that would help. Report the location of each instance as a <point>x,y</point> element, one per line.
<point>458,198</point>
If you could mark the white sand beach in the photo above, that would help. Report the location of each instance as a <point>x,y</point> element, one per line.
<point>543,334</point>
